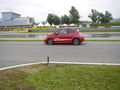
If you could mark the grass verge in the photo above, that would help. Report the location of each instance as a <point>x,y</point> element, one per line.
<point>61,77</point>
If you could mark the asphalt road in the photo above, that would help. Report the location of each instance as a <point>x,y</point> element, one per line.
<point>15,53</point>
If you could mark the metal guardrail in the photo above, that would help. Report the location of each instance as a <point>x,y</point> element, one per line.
<point>99,28</point>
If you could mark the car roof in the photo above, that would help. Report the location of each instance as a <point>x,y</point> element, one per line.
<point>69,28</point>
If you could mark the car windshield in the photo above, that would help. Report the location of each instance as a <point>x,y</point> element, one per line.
<point>78,30</point>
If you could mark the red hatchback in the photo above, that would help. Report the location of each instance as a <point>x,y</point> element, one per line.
<point>65,35</point>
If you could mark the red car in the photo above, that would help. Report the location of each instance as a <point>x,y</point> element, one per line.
<point>65,35</point>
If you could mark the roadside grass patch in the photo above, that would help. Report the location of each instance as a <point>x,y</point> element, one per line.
<point>106,24</point>
<point>61,77</point>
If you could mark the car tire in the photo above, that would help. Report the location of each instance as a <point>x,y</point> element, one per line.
<point>50,42</point>
<point>76,41</point>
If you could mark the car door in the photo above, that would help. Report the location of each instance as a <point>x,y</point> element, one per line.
<point>62,36</point>
<point>71,33</point>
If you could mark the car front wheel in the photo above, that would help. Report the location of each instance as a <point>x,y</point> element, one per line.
<point>76,41</point>
<point>50,42</point>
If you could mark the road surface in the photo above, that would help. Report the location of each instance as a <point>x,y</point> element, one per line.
<point>15,53</point>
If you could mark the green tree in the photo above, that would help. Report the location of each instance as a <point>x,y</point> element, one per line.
<point>94,16</point>
<point>74,15</point>
<point>98,17</point>
<point>65,19</point>
<point>53,19</point>
<point>56,20</point>
<point>50,18</point>
<point>105,18</point>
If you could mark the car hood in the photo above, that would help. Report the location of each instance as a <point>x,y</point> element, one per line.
<point>50,35</point>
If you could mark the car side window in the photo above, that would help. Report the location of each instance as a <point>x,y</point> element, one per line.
<point>57,32</point>
<point>70,31</point>
<point>62,31</point>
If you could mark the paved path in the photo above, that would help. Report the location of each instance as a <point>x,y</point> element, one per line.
<point>14,53</point>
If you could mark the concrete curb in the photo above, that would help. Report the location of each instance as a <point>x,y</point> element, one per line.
<point>10,67</point>
<point>82,63</point>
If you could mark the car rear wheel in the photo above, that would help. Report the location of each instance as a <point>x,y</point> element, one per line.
<point>76,41</point>
<point>50,42</point>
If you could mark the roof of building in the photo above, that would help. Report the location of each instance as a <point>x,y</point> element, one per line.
<point>11,12</point>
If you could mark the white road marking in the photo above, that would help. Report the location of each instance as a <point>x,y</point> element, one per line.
<point>10,67</point>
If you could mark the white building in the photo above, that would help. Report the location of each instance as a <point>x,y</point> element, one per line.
<point>115,20</point>
<point>11,19</point>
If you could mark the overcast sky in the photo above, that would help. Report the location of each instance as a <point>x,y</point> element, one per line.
<point>39,9</point>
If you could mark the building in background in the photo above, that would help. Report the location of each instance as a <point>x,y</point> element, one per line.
<point>14,20</point>
<point>115,20</point>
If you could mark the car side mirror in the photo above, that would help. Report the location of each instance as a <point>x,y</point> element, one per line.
<point>56,33</point>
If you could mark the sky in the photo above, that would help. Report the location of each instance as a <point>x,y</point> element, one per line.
<point>39,9</point>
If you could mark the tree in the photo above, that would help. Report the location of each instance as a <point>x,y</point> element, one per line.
<point>94,16</point>
<point>98,17</point>
<point>65,19</point>
<point>50,18</point>
<point>53,19</point>
<point>74,15</point>
<point>56,20</point>
<point>105,18</point>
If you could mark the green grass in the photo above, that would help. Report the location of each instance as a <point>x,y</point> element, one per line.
<point>107,24</point>
<point>61,77</point>
<point>103,24</point>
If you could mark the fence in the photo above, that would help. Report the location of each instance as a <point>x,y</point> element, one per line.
<point>100,28</point>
